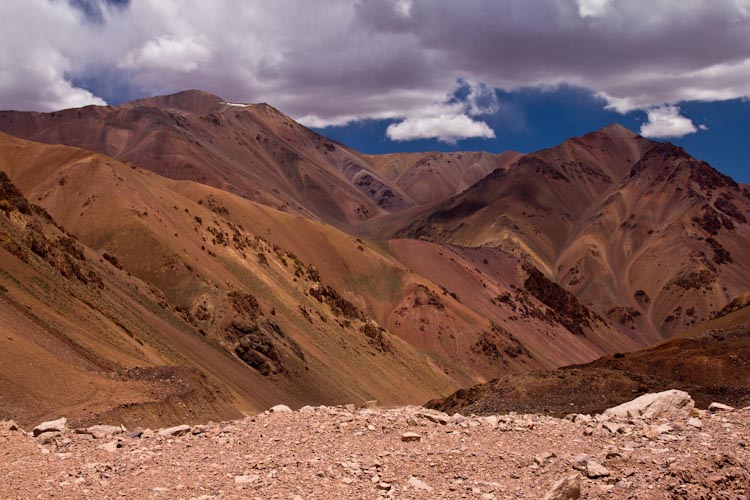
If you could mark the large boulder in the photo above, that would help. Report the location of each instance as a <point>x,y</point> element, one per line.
<point>672,404</point>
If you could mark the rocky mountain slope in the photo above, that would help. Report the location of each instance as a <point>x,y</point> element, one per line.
<point>291,268</point>
<point>125,294</point>
<point>274,307</point>
<point>712,363</point>
<point>665,448</point>
<point>258,153</point>
<point>642,232</point>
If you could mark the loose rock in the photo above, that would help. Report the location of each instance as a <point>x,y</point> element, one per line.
<point>178,430</point>
<point>568,488</point>
<point>672,404</point>
<point>58,425</point>
<point>408,437</point>
<point>280,409</point>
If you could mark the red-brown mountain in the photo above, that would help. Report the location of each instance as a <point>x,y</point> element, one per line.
<point>320,274</point>
<point>647,235</point>
<point>258,153</point>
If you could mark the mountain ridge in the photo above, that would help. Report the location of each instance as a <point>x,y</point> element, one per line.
<point>313,267</point>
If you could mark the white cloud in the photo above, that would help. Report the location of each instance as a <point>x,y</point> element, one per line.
<point>353,59</point>
<point>36,59</point>
<point>481,100</point>
<point>445,127</point>
<point>403,8</point>
<point>166,53</point>
<point>666,121</point>
<point>593,8</point>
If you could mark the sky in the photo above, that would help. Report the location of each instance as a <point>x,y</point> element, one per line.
<point>406,75</point>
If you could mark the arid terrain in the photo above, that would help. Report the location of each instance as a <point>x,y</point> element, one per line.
<point>181,259</point>
<point>670,450</point>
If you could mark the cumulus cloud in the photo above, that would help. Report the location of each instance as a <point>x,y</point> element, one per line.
<point>666,121</point>
<point>446,127</point>
<point>354,59</point>
<point>166,53</point>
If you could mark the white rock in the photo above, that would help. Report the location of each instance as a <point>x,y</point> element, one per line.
<point>695,422</point>
<point>671,404</point>
<point>177,430</point>
<point>280,409</point>
<point>719,407</point>
<point>490,421</point>
<point>101,431</point>
<point>568,488</point>
<point>51,426</point>
<point>595,470</point>
<point>408,437</point>
<point>582,419</point>
<point>111,447</point>
<point>437,417</point>
<point>418,484</point>
<point>246,479</point>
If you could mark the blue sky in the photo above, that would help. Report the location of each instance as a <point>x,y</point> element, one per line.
<point>534,119</point>
<point>406,75</point>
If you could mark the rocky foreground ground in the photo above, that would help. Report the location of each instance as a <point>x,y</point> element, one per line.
<point>659,446</point>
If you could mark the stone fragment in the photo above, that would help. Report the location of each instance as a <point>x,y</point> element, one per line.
<point>280,409</point>
<point>178,430</point>
<point>715,407</point>
<point>612,427</point>
<point>370,404</point>
<point>695,422</point>
<point>246,479</point>
<point>580,461</point>
<point>10,425</point>
<point>582,419</point>
<point>542,458</point>
<point>58,425</point>
<point>568,488</point>
<point>672,404</point>
<point>111,447</point>
<point>418,484</point>
<point>434,416</point>
<point>490,421</point>
<point>49,437</point>
<point>408,437</point>
<point>100,431</point>
<point>596,470</point>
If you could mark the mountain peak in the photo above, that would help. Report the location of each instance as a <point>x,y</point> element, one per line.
<point>191,101</point>
<point>616,130</point>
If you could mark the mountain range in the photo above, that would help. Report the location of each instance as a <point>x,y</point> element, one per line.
<point>184,258</point>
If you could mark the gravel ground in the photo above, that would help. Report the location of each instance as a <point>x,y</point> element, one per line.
<point>408,452</point>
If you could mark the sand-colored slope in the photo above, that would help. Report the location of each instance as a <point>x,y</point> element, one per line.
<point>203,266</point>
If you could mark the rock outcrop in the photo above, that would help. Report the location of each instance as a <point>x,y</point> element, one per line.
<point>668,404</point>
